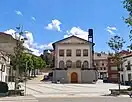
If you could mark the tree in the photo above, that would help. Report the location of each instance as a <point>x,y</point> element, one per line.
<point>128,7</point>
<point>38,63</point>
<point>18,52</point>
<point>41,62</point>
<point>116,44</point>
<point>128,20</point>
<point>26,61</point>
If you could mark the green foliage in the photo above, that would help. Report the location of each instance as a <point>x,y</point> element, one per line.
<point>16,59</point>
<point>116,43</point>
<point>128,20</point>
<point>26,60</point>
<point>38,62</point>
<point>128,7</point>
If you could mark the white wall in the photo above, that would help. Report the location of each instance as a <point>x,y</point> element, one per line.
<point>73,58</point>
<point>125,72</point>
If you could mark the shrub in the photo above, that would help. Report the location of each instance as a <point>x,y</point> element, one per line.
<point>3,87</point>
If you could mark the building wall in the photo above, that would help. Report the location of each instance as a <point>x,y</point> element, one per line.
<point>125,71</point>
<point>112,73</point>
<point>60,75</point>
<point>71,70</point>
<point>72,43</point>
<point>84,76</point>
<point>88,76</point>
<point>101,62</point>
<point>4,66</point>
<point>73,58</point>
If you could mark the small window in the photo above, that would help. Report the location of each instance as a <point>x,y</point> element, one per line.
<point>114,68</point>
<point>85,52</point>
<point>61,52</point>
<point>114,76</point>
<point>102,64</point>
<point>61,64</point>
<point>128,65</point>
<point>129,77</point>
<point>69,64</point>
<point>78,52</point>
<point>85,64</point>
<point>99,54</point>
<point>68,52</point>
<point>104,68</point>
<point>78,64</point>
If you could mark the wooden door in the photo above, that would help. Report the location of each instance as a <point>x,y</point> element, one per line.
<point>74,77</point>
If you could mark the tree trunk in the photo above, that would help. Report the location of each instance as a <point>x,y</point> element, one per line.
<point>16,78</point>
<point>29,71</point>
<point>34,73</point>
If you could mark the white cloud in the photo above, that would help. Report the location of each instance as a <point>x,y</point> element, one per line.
<point>111,30</point>
<point>33,18</point>
<point>19,13</point>
<point>14,34</point>
<point>54,25</point>
<point>29,43</point>
<point>77,31</point>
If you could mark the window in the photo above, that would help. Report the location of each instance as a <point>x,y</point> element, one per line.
<point>3,68</point>
<point>68,52</point>
<point>114,76</point>
<point>104,68</point>
<point>129,77</point>
<point>61,52</point>
<point>99,54</point>
<point>85,64</point>
<point>78,64</point>
<point>102,64</point>
<point>128,65</point>
<point>69,64</point>
<point>97,64</point>
<point>113,68</point>
<point>78,52</point>
<point>61,64</point>
<point>85,52</point>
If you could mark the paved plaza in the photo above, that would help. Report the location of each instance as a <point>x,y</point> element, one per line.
<point>37,91</point>
<point>47,89</point>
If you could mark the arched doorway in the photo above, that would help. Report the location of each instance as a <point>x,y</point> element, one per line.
<point>74,77</point>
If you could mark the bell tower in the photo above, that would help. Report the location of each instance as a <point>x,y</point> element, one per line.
<point>90,39</point>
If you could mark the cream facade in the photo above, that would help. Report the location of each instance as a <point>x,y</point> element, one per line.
<point>126,69</point>
<point>101,62</point>
<point>4,66</point>
<point>73,59</point>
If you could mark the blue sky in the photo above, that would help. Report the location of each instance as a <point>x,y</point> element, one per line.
<point>50,20</point>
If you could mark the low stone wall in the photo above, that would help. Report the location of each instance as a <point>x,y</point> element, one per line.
<point>88,76</point>
<point>60,75</point>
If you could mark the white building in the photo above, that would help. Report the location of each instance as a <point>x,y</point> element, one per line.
<point>73,60</point>
<point>100,62</point>
<point>4,67</point>
<point>126,70</point>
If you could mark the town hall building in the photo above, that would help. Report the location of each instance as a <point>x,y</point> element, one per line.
<point>73,61</point>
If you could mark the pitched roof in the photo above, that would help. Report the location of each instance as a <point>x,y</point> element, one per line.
<point>71,37</point>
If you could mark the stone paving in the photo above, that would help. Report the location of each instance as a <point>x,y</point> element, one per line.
<point>37,91</point>
<point>43,89</point>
